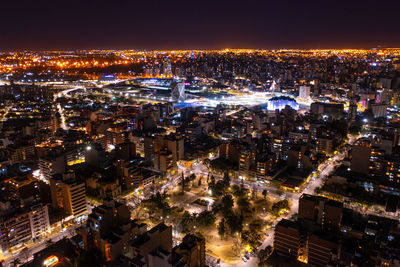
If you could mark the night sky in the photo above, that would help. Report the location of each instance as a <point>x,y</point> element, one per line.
<point>150,24</point>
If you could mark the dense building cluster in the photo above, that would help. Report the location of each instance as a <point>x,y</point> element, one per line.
<point>196,158</point>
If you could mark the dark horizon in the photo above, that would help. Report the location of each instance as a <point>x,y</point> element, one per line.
<point>177,25</point>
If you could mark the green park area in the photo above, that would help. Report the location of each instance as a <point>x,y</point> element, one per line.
<point>232,218</point>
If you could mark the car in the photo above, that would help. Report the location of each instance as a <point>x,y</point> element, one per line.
<point>266,234</point>
<point>244,259</point>
<point>247,256</point>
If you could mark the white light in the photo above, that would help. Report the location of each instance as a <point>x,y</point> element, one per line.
<point>88,148</point>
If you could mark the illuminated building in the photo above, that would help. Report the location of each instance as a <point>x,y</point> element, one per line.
<point>95,156</point>
<point>327,109</point>
<point>131,173</point>
<point>39,221</point>
<point>64,252</point>
<point>69,194</point>
<point>367,159</point>
<point>324,145</point>
<point>19,154</point>
<point>171,143</point>
<point>287,239</point>
<point>351,115</point>
<point>144,244</point>
<point>110,229</point>
<point>134,174</point>
<point>313,244</point>
<point>102,187</point>
<point>114,137</point>
<point>392,171</point>
<point>178,91</point>
<point>379,110</point>
<point>149,149</point>
<point>325,212</point>
<point>299,136</point>
<point>125,150</point>
<point>304,92</point>
<point>51,164</point>
<point>321,249</point>
<point>163,160</point>
<point>265,163</point>
<point>192,250</point>
<point>281,102</point>
<point>16,231</point>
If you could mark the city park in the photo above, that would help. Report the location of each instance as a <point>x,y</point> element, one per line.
<point>232,218</point>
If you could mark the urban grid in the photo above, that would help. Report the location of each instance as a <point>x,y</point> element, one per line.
<point>216,157</point>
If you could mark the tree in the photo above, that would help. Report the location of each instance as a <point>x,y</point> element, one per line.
<point>263,255</point>
<point>235,222</point>
<point>226,204</point>
<point>237,246</point>
<point>243,203</point>
<point>278,206</point>
<point>221,228</point>
<point>252,238</point>
<point>216,207</point>
<point>255,225</point>
<point>187,222</point>
<point>206,218</point>
<point>264,193</point>
<point>226,180</point>
<point>219,188</point>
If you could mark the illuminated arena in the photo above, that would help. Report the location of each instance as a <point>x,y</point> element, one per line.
<point>280,102</point>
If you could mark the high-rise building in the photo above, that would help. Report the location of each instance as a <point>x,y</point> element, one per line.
<point>327,109</point>
<point>144,244</point>
<point>351,115</point>
<point>304,92</point>
<point>125,150</point>
<point>149,150</point>
<point>168,150</point>
<point>16,231</point>
<point>320,249</point>
<point>323,211</point>
<point>21,153</point>
<point>51,164</point>
<point>287,239</point>
<point>39,221</point>
<point>379,110</point>
<point>193,250</point>
<point>324,145</point>
<point>367,159</point>
<point>69,194</point>
<point>178,91</point>
<point>95,156</point>
<point>110,229</point>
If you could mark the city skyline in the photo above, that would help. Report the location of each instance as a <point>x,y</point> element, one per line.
<point>200,134</point>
